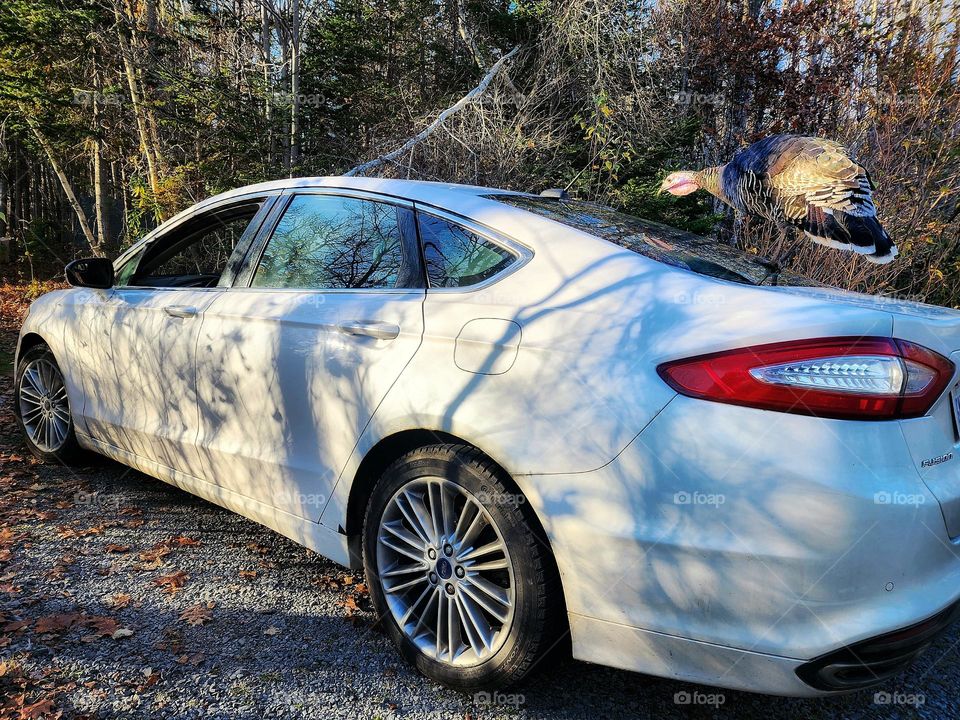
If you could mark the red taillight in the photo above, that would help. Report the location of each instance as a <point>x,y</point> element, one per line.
<point>845,378</point>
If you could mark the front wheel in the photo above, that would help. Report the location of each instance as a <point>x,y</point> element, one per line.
<point>42,407</point>
<point>459,575</point>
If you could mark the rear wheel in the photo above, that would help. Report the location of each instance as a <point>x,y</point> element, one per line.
<point>460,578</point>
<point>42,407</point>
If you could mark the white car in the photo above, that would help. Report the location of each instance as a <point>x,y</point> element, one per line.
<point>534,422</point>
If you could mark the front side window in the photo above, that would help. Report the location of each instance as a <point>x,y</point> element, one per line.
<point>457,257</point>
<point>328,242</point>
<point>126,271</point>
<point>194,254</point>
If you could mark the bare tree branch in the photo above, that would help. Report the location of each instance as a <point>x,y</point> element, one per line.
<point>440,119</point>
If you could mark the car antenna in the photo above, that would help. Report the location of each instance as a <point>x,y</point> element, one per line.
<point>555,193</point>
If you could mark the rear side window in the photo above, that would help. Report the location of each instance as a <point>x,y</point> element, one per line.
<point>327,242</point>
<point>457,257</point>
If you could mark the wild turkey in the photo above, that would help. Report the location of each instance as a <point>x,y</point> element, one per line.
<point>805,182</point>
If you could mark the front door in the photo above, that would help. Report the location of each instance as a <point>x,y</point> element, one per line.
<point>148,404</point>
<point>291,366</point>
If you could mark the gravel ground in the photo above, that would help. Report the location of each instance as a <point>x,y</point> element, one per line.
<point>121,596</point>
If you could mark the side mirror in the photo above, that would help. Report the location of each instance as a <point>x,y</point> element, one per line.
<point>96,272</point>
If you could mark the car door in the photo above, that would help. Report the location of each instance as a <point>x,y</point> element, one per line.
<point>294,359</point>
<point>147,405</point>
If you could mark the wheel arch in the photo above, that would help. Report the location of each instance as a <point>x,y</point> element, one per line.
<point>379,458</point>
<point>29,340</point>
<point>391,448</point>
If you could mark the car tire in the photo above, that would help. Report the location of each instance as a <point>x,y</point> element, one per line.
<point>42,408</point>
<point>470,608</point>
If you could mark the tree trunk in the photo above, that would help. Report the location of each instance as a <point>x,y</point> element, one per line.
<point>294,84</point>
<point>67,186</point>
<point>138,110</point>
<point>101,198</point>
<point>266,46</point>
<point>3,205</point>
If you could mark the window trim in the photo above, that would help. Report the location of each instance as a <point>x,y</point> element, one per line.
<point>521,253</point>
<point>244,279</point>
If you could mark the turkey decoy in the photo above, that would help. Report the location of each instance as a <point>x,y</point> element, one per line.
<point>807,183</point>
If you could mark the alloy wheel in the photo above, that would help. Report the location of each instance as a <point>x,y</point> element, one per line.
<point>44,409</point>
<point>446,572</point>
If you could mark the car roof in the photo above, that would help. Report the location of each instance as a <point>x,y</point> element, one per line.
<point>433,193</point>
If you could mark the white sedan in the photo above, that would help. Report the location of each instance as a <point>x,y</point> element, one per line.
<point>536,423</point>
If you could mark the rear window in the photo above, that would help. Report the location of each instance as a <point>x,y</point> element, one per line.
<point>659,242</point>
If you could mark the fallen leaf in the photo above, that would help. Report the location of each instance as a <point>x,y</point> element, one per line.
<point>37,710</point>
<point>194,659</point>
<point>248,574</point>
<point>171,583</point>
<point>56,623</point>
<point>120,601</point>
<point>70,532</point>
<point>104,626</point>
<point>185,541</point>
<point>198,614</point>
<point>113,548</point>
<point>156,553</point>
<point>271,630</point>
<point>350,603</point>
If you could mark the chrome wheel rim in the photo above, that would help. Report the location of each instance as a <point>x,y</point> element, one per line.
<point>43,405</point>
<point>446,573</point>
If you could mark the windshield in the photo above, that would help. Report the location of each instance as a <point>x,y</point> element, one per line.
<point>659,242</point>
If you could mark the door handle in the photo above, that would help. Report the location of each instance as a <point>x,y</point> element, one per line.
<point>374,329</point>
<point>180,311</point>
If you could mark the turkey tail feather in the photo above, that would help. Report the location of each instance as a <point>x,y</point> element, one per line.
<point>886,250</point>
<point>837,230</point>
<point>863,235</point>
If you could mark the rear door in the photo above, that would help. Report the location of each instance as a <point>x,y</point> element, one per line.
<point>295,358</point>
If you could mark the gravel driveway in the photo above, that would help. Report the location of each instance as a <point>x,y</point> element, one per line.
<point>121,596</point>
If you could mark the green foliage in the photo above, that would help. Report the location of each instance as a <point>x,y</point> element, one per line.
<point>604,98</point>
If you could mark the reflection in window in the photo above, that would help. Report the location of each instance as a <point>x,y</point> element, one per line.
<point>456,257</point>
<point>329,242</point>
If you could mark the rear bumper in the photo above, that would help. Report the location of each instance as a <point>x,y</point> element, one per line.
<point>652,653</point>
<point>865,664</point>
<point>872,661</point>
<point>775,540</point>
